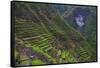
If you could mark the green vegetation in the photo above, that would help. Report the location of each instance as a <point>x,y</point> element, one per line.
<point>43,36</point>
<point>37,62</point>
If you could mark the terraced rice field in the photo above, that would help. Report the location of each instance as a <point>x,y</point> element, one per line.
<point>46,35</point>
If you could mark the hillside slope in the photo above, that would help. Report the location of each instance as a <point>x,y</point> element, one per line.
<point>43,36</point>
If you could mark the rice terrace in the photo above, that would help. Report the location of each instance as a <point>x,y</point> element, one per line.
<point>54,33</point>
